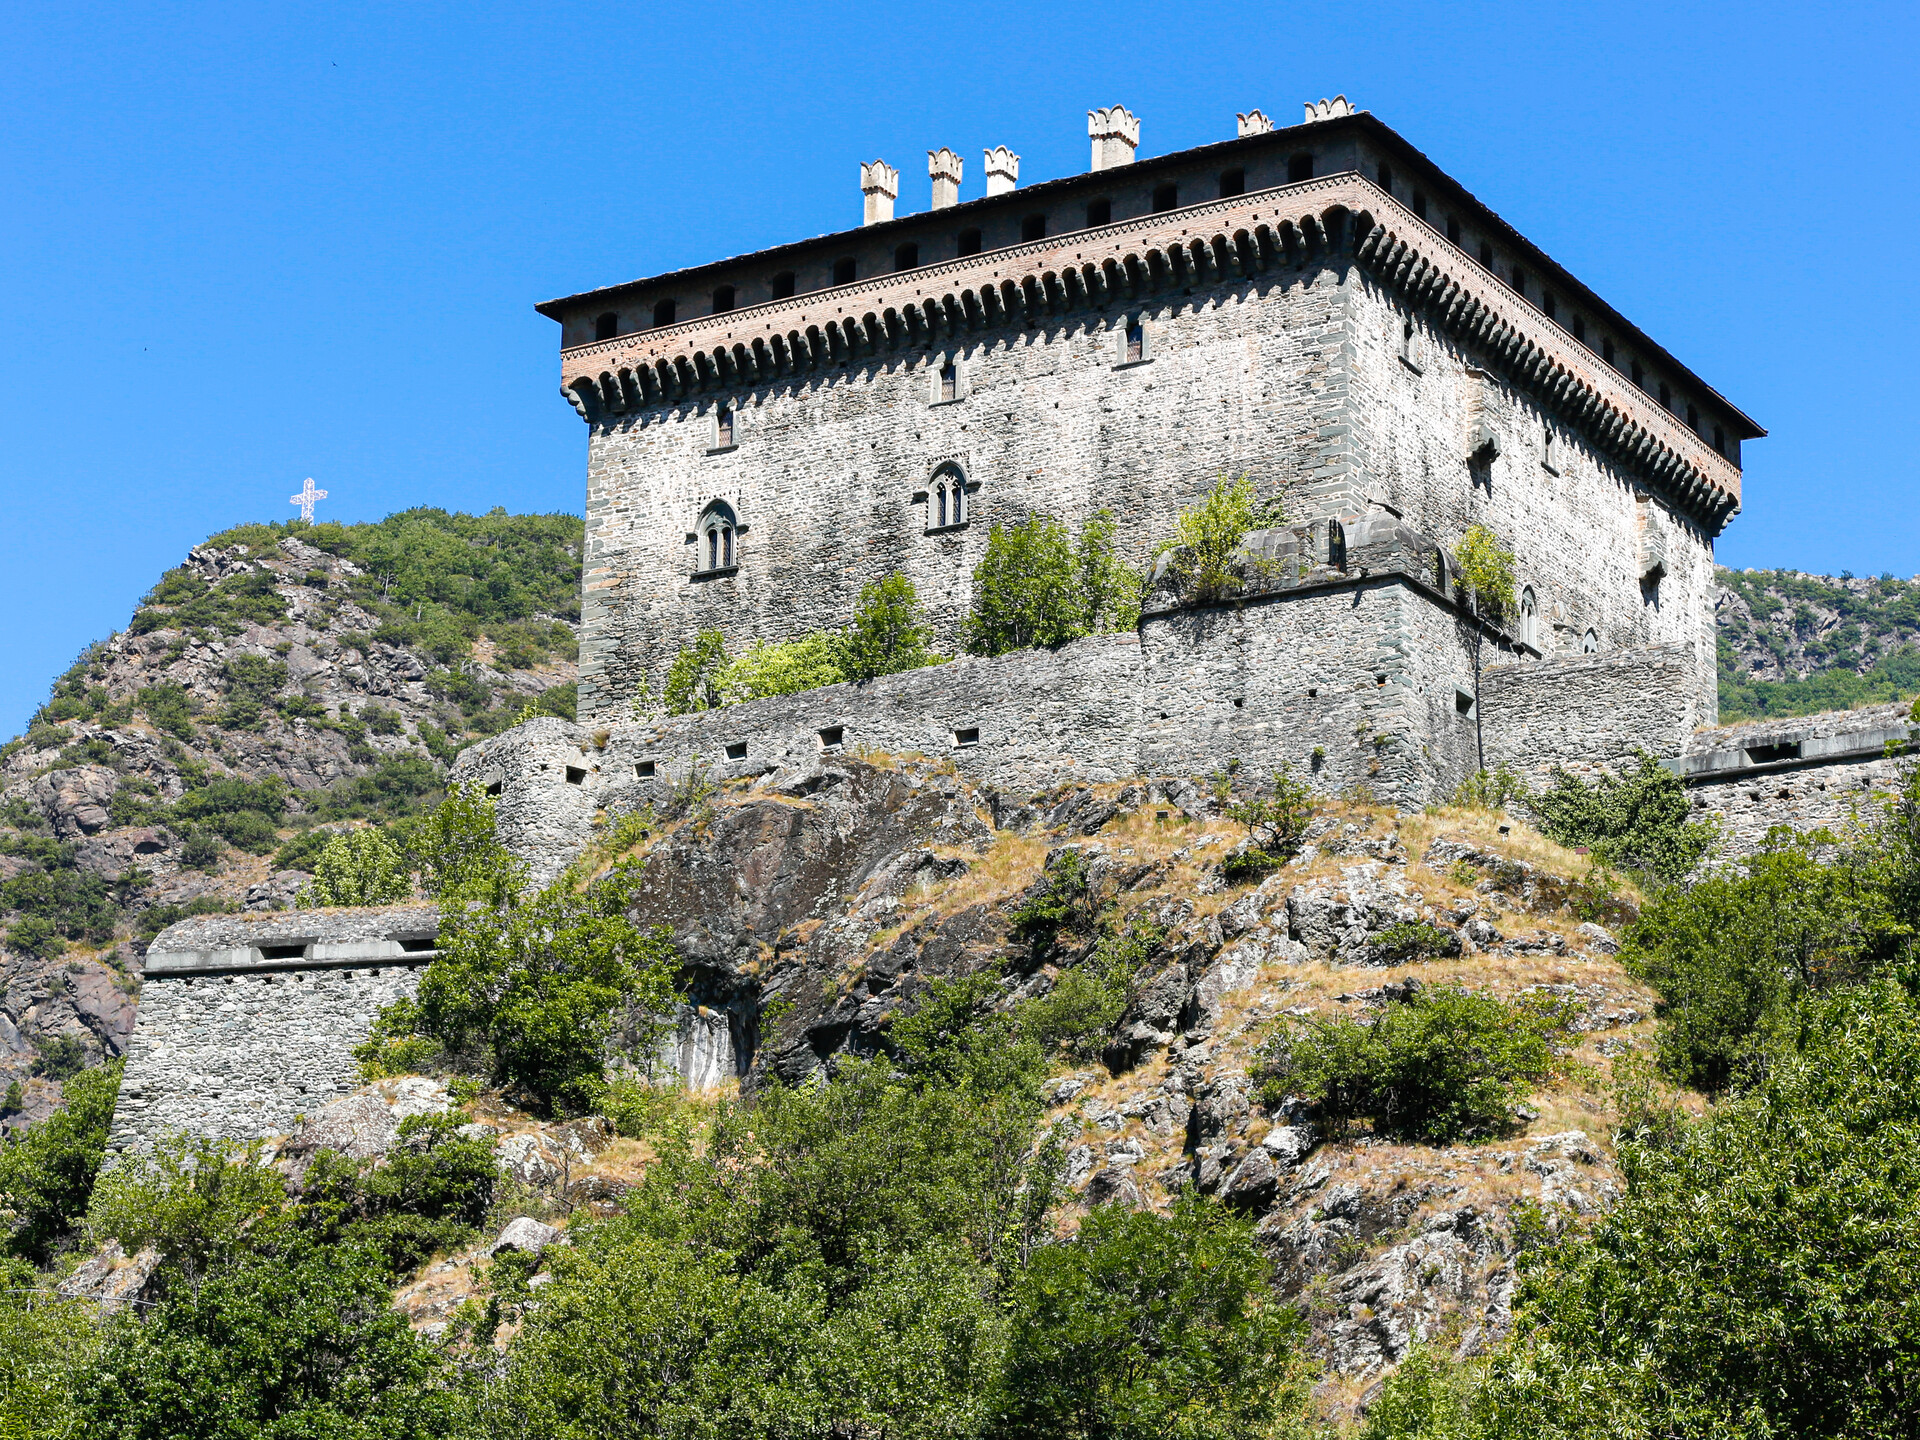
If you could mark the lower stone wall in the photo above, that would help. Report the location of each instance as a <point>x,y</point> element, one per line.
<point>239,1056</point>
<point>1809,772</point>
<point>1585,712</point>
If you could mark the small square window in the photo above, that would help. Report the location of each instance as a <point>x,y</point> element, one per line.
<point>968,737</point>
<point>1299,168</point>
<point>1233,182</point>
<point>1034,227</point>
<point>494,788</point>
<point>1165,197</point>
<point>644,769</point>
<point>1462,700</point>
<point>737,750</point>
<point>575,775</point>
<point>969,242</point>
<point>781,286</point>
<point>844,271</point>
<point>833,737</point>
<point>1100,212</point>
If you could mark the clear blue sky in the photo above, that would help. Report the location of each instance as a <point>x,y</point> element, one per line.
<point>244,244</point>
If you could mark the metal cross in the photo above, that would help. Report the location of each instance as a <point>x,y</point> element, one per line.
<point>305,499</point>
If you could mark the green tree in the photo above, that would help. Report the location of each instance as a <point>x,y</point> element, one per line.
<point>546,984</point>
<point>1036,587</point>
<point>1638,820</point>
<point>888,632</point>
<point>1732,954</point>
<point>1207,539</point>
<point>358,867</point>
<point>47,1175</point>
<point>781,668</point>
<point>47,1347</point>
<point>455,853</point>
<point>693,680</point>
<point>1439,1066</point>
<point>1150,1326</point>
<point>1485,568</point>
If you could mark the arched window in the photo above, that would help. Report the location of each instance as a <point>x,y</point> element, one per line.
<point>1233,182</point>
<point>1529,618</point>
<point>781,286</point>
<point>606,327</point>
<point>723,299</point>
<point>947,498</point>
<point>1590,643</point>
<point>717,538</point>
<point>1165,197</point>
<point>663,312</point>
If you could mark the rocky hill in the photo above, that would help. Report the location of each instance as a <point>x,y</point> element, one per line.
<point>1794,644</point>
<point>282,682</point>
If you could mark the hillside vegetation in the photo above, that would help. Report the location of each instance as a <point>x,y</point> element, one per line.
<point>283,682</point>
<point>1794,644</point>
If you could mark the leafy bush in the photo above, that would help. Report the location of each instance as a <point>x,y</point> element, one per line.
<point>454,853</point>
<point>58,902</point>
<point>170,708</point>
<point>1276,823</point>
<point>250,682</point>
<point>358,867</point>
<point>548,984</point>
<point>47,1174</point>
<point>1732,954</point>
<point>1144,1326</point>
<point>156,918</point>
<point>888,632</point>
<point>1439,1066</point>
<point>1062,900</point>
<point>427,1196</point>
<point>693,680</point>
<point>61,1057</point>
<point>1035,587</point>
<point>1637,820</point>
<point>1788,1216</point>
<point>1409,941</point>
<point>1490,789</point>
<point>1207,538</point>
<point>1078,1016</point>
<point>780,668</point>
<point>1485,568</point>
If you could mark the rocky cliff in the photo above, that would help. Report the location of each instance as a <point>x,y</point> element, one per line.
<point>282,682</point>
<point>1793,644</point>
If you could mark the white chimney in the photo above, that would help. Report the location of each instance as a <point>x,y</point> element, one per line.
<point>1003,170</point>
<point>1254,122</point>
<point>1327,109</point>
<point>880,185</point>
<point>1115,134</point>
<point>943,168</point>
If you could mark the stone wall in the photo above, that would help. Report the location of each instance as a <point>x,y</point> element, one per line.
<point>1584,712</point>
<point>248,1021</point>
<point>1808,772</point>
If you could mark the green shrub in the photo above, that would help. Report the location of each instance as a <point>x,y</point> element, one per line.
<point>1036,587</point>
<point>1079,1015</point>
<point>358,867</point>
<point>47,1174</point>
<point>1207,539</point>
<point>780,668</point>
<point>250,682</point>
<point>156,918</point>
<point>550,985</point>
<point>1276,822</point>
<point>1485,569</point>
<point>1146,1325</point>
<point>201,850</point>
<point>61,1057</point>
<point>1732,954</point>
<point>1443,1065</point>
<point>1490,790</point>
<point>1062,900</point>
<point>888,632</point>
<point>1409,941</point>
<point>693,680</point>
<point>1638,820</point>
<point>170,708</point>
<point>453,850</point>
<point>427,1196</point>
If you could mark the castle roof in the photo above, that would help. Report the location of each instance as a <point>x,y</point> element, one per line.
<point>1357,138</point>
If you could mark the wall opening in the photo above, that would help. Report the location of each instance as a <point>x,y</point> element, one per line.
<point>833,737</point>
<point>1165,197</point>
<point>967,737</point>
<point>663,312</point>
<point>1386,178</point>
<point>723,428</point>
<point>1034,227</point>
<point>907,256</point>
<point>722,299</point>
<point>1419,204</point>
<point>737,750</point>
<point>1233,182</point>
<point>781,286</point>
<point>1299,167</point>
<point>969,242</point>
<point>644,769</point>
<point>575,775</point>
<point>1100,212</point>
<point>606,327</point>
<point>1136,342</point>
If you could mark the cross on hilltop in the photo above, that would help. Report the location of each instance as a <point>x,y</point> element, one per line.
<point>305,499</point>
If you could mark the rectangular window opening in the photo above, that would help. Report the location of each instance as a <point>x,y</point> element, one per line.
<point>723,427</point>
<point>419,944</point>
<point>575,775</point>
<point>1771,754</point>
<point>494,788</point>
<point>967,737</point>
<point>1165,197</point>
<point>833,737</point>
<point>949,381</point>
<point>644,769</point>
<point>781,287</point>
<point>737,750</point>
<point>1099,212</point>
<point>1299,168</point>
<point>1233,182</point>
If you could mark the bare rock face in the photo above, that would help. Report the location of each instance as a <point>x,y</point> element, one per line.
<point>526,1235</point>
<point>779,893</point>
<point>112,1279</point>
<point>363,1126</point>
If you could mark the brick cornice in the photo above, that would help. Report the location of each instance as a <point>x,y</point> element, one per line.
<point>1131,260</point>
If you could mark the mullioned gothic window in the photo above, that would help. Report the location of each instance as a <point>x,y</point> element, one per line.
<point>947,505</point>
<point>717,540</point>
<point>1529,618</point>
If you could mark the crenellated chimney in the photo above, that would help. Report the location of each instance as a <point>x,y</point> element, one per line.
<point>880,185</point>
<point>1003,170</point>
<point>1116,135</point>
<point>1254,122</point>
<point>943,168</point>
<point>1327,109</point>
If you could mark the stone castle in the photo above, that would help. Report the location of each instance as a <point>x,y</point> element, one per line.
<point>1319,307</point>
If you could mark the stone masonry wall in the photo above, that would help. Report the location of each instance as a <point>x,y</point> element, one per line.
<point>236,1038</point>
<point>1569,513</point>
<point>1584,712</point>
<point>830,473</point>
